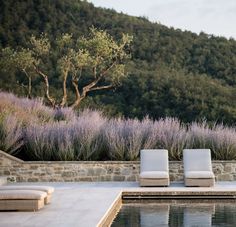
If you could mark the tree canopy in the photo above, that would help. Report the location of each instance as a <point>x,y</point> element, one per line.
<point>98,55</point>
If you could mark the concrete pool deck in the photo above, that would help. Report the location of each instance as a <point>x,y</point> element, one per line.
<point>87,204</point>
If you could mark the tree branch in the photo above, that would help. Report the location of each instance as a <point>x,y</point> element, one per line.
<point>108,68</point>
<point>29,95</point>
<point>102,87</point>
<point>85,90</point>
<point>45,77</point>
<point>90,87</point>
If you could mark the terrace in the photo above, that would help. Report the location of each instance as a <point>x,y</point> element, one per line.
<point>95,204</point>
<point>83,162</point>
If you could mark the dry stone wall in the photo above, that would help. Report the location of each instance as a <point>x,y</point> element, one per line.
<point>20,171</point>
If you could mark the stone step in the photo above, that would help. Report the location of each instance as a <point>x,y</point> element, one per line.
<point>3,180</point>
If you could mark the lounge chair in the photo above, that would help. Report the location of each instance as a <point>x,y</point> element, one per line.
<point>154,168</point>
<point>198,168</point>
<point>21,200</point>
<point>49,190</point>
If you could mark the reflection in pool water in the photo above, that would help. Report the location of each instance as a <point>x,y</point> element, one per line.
<point>177,213</point>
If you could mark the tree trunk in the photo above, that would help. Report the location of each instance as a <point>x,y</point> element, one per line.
<point>47,93</point>
<point>86,89</point>
<point>64,98</point>
<point>29,89</point>
<point>77,93</point>
<point>77,103</point>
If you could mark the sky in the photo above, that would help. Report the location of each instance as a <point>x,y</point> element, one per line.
<point>216,17</point>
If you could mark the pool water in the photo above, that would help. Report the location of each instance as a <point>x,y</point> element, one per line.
<point>177,213</point>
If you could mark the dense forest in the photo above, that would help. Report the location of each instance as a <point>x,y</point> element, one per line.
<point>171,73</point>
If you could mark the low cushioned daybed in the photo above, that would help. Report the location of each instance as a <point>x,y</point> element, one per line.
<point>49,190</point>
<point>154,168</point>
<point>22,200</point>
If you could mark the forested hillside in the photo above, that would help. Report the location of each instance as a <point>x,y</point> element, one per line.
<point>171,73</point>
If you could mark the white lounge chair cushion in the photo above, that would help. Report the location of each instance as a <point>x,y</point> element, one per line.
<point>154,160</point>
<point>154,174</point>
<point>22,194</point>
<point>197,160</point>
<point>46,189</point>
<point>199,174</point>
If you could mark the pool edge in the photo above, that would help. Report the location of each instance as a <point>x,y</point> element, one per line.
<point>125,194</point>
<point>111,213</point>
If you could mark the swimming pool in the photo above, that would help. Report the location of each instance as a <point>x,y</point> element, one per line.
<point>176,213</point>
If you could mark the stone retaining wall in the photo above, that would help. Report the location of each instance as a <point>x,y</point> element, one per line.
<point>18,170</point>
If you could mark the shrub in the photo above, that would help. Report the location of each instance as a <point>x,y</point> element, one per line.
<point>49,142</point>
<point>87,136</point>
<point>125,138</point>
<point>77,139</point>
<point>11,138</point>
<point>27,110</point>
<point>200,135</point>
<point>220,139</point>
<point>43,133</point>
<point>171,135</point>
<point>223,143</point>
<point>64,114</point>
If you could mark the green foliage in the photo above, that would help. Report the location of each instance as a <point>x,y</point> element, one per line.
<point>172,73</point>
<point>98,55</point>
<point>40,46</point>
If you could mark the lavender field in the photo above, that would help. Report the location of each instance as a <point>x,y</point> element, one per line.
<point>33,131</point>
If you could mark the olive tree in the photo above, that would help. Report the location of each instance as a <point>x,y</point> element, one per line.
<point>22,60</point>
<point>97,59</point>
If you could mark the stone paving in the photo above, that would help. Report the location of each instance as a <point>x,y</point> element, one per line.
<point>85,204</point>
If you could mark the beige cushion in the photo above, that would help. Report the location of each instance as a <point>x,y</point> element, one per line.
<point>46,189</point>
<point>154,160</point>
<point>154,174</point>
<point>197,160</point>
<point>199,174</point>
<point>22,194</point>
